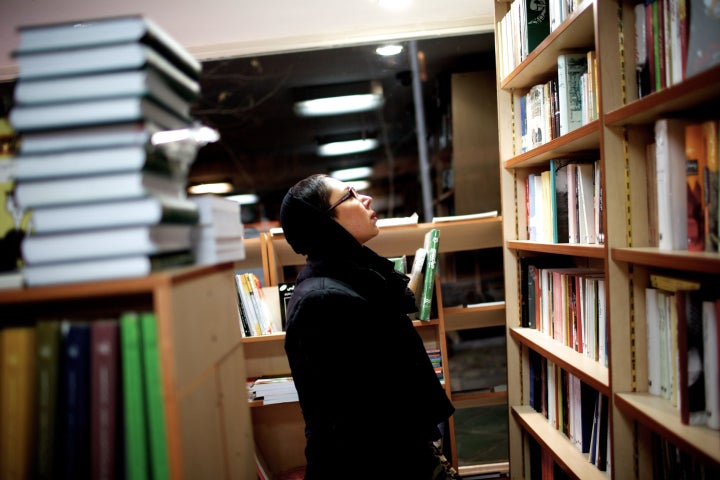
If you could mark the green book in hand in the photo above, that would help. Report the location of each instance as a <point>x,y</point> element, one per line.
<point>431,244</point>
<point>154,404</point>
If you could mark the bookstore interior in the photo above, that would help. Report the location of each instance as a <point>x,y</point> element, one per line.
<point>554,203</point>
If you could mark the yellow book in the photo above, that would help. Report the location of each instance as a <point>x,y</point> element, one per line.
<point>672,284</point>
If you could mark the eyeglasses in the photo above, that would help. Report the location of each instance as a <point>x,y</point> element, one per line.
<point>351,193</point>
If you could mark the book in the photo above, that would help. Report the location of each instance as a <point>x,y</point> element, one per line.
<point>136,447</point>
<point>60,36</point>
<point>128,158</point>
<point>586,202</point>
<point>571,67</point>
<point>285,290</point>
<point>103,268</point>
<point>109,242</point>
<point>91,137</point>
<point>154,397</point>
<point>416,270</point>
<point>172,89</point>
<point>17,400</point>
<point>431,245</point>
<point>150,210</point>
<point>671,184</point>
<point>691,378</point>
<point>104,399</point>
<point>47,440</point>
<point>537,23</point>
<point>711,363</point>
<point>712,185</point>
<point>537,131</point>
<point>652,322</point>
<point>695,162</point>
<point>117,186</point>
<point>703,38</point>
<point>94,112</point>
<point>559,201</point>
<point>75,406</point>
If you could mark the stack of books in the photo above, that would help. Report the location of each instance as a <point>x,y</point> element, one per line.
<point>218,237</point>
<point>274,389</point>
<point>107,199</point>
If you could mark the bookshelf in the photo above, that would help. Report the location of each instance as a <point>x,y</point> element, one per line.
<point>628,257</point>
<point>208,428</point>
<point>279,428</point>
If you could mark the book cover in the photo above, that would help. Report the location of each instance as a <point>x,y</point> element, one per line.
<point>559,201</point>
<point>586,202</point>
<point>431,245</point>
<point>696,166</point>
<point>128,158</point>
<point>703,37</point>
<point>535,116</point>
<point>691,378</point>
<point>48,372</point>
<point>154,397</point>
<point>103,268</point>
<point>131,29</point>
<point>104,399</point>
<point>17,400</point>
<point>652,323</point>
<point>285,290</point>
<point>171,89</point>
<point>712,185</point>
<point>75,190</point>
<point>537,23</point>
<point>75,405</point>
<point>416,270</point>
<point>136,446</point>
<point>711,363</point>
<point>110,242</point>
<point>93,112</point>
<point>144,211</point>
<point>571,66</point>
<point>671,184</point>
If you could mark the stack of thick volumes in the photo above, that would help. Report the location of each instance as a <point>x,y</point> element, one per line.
<point>272,389</point>
<point>106,201</point>
<point>218,236</point>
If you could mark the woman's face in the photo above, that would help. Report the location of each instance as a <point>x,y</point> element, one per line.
<point>353,213</point>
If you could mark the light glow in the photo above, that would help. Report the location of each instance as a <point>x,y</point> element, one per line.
<point>352,173</point>
<point>339,105</point>
<point>347,147</point>
<point>389,50</point>
<point>220,187</point>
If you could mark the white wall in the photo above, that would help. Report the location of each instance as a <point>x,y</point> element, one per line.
<point>221,28</point>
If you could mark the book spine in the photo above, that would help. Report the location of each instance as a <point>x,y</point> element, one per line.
<point>48,371</point>
<point>432,244</point>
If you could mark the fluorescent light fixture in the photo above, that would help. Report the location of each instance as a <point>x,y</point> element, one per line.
<point>352,173</point>
<point>389,50</point>
<point>359,185</point>
<point>244,199</point>
<point>220,187</point>
<point>339,99</point>
<point>347,147</point>
<point>200,134</point>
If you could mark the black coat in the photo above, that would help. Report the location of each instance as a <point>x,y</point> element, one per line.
<point>365,382</point>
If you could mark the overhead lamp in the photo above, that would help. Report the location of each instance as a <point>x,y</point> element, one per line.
<point>345,147</point>
<point>339,99</point>
<point>359,185</point>
<point>352,173</point>
<point>219,187</point>
<point>389,50</point>
<point>244,199</point>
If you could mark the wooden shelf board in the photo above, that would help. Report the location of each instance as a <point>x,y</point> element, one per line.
<point>574,249</point>
<point>476,316</point>
<point>563,452</point>
<point>701,262</point>
<point>483,469</point>
<point>477,399</point>
<point>661,417</point>
<point>273,337</point>
<point>588,370</point>
<point>583,142</point>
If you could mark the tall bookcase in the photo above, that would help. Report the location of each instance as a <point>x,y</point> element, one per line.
<point>208,428</point>
<point>279,428</point>
<point>618,139</point>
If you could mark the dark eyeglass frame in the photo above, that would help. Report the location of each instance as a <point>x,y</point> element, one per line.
<point>351,193</point>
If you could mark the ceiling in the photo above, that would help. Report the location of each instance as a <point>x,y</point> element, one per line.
<point>265,148</point>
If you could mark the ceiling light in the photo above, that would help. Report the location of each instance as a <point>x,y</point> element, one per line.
<point>389,50</point>
<point>352,173</point>
<point>339,99</point>
<point>359,185</point>
<point>394,4</point>
<point>347,146</point>
<point>220,187</point>
<point>200,134</point>
<point>244,199</point>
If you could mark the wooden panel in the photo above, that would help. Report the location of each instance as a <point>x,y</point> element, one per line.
<point>280,435</point>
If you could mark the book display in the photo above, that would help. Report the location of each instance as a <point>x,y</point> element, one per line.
<point>279,427</point>
<point>218,236</point>
<point>627,308</point>
<point>90,100</point>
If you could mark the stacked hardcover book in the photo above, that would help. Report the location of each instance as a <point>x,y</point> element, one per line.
<point>107,198</point>
<point>218,236</point>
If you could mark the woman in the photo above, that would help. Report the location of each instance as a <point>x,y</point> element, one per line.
<point>369,395</point>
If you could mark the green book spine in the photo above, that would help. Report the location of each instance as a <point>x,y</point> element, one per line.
<point>432,240</point>
<point>136,445</point>
<point>154,404</point>
<point>48,361</point>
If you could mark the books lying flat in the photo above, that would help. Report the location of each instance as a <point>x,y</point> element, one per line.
<point>81,138</point>
<point>145,82</point>
<point>91,162</point>
<point>97,188</point>
<point>140,211</point>
<point>105,31</point>
<point>86,244</point>
<point>93,112</point>
<point>102,269</point>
